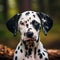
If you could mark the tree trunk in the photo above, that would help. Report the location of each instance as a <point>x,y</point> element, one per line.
<point>41,5</point>
<point>24,5</point>
<point>3,11</point>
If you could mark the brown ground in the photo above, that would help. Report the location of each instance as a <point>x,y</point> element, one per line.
<point>7,53</point>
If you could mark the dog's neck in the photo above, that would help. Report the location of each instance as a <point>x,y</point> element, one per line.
<point>31,44</point>
<point>31,48</point>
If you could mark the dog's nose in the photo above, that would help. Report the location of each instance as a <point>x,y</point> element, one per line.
<point>29,34</point>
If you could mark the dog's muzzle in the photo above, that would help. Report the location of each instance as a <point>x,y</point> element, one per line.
<point>29,34</point>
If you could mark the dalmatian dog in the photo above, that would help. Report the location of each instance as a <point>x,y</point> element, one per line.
<point>29,24</point>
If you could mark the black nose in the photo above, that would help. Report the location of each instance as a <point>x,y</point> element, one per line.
<point>29,34</point>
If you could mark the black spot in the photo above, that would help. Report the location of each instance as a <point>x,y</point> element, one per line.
<point>27,25</point>
<point>24,34</point>
<point>40,55</point>
<point>24,42</point>
<point>20,22</point>
<point>25,21</point>
<point>32,12</point>
<point>18,47</point>
<point>16,52</point>
<point>35,51</point>
<point>35,24</point>
<point>37,40</point>
<point>21,44</point>
<point>15,57</point>
<point>46,58</point>
<point>23,59</point>
<point>29,51</point>
<point>26,54</point>
<point>33,15</point>
<point>29,29</point>
<point>32,45</point>
<point>21,50</point>
<point>38,50</point>
<point>26,47</point>
<point>27,13</point>
<point>43,53</point>
<point>29,18</point>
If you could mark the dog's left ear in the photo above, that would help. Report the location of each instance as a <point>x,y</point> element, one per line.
<point>12,24</point>
<point>46,22</point>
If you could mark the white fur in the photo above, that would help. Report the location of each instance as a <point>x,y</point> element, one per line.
<point>23,29</point>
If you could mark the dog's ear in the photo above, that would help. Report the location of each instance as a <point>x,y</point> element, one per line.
<point>12,24</point>
<point>46,22</point>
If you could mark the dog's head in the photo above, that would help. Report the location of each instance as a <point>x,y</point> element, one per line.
<point>29,24</point>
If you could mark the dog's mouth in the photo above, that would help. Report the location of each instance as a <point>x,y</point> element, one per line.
<point>29,42</point>
<point>29,39</point>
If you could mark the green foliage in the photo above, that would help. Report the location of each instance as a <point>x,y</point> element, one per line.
<point>52,7</point>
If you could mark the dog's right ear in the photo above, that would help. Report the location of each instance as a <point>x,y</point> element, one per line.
<point>46,22</point>
<point>12,24</point>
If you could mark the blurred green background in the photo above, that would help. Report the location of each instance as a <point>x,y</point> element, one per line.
<point>9,8</point>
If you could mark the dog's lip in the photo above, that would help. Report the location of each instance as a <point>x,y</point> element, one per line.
<point>27,39</point>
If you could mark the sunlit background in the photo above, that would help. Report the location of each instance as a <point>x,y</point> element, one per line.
<point>9,8</point>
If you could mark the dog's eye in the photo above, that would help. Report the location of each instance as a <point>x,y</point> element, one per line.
<point>21,23</point>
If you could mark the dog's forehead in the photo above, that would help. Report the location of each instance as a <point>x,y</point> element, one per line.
<point>29,16</point>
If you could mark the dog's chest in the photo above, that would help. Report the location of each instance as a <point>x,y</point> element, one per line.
<point>29,54</point>
<point>31,57</point>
